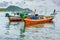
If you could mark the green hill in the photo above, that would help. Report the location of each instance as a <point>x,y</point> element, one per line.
<point>16,9</point>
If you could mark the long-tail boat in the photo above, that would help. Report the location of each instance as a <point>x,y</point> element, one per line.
<point>33,22</point>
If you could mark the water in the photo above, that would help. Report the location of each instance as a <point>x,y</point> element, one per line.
<point>47,31</point>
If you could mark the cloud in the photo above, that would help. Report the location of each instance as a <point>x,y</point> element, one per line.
<point>35,4</point>
<point>3,4</point>
<point>57,2</point>
<point>41,3</point>
<point>27,3</point>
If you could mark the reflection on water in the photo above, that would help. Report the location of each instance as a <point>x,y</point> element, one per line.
<point>43,25</point>
<point>50,25</point>
<point>40,31</point>
<point>46,31</point>
<point>29,31</point>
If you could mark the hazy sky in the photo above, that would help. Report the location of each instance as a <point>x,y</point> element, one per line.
<point>28,3</point>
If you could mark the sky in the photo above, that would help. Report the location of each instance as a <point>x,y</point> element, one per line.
<point>32,4</point>
<point>28,3</point>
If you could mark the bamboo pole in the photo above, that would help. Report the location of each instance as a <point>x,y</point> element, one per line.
<point>34,11</point>
<point>45,12</point>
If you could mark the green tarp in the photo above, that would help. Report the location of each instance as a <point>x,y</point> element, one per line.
<point>7,15</point>
<point>22,15</point>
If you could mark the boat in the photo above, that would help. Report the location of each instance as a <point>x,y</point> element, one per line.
<point>29,22</point>
<point>13,19</point>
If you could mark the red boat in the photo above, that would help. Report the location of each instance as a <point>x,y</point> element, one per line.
<point>12,19</point>
<point>33,22</point>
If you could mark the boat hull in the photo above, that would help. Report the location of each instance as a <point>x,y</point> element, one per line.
<point>30,22</point>
<point>11,19</point>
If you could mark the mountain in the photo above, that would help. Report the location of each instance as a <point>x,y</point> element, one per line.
<point>27,10</point>
<point>16,9</point>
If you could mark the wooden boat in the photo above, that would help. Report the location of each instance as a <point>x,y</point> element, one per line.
<point>33,22</point>
<point>30,21</point>
<point>12,19</point>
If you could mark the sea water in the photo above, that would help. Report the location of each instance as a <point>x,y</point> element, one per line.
<point>49,31</point>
